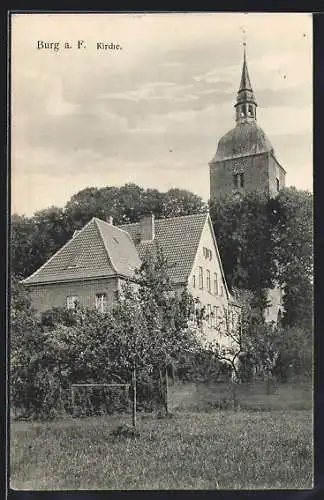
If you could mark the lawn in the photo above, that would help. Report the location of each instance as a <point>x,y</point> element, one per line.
<point>215,449</point>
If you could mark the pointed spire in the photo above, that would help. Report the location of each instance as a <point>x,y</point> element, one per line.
<point>245,102</point>
<point>245,79</point>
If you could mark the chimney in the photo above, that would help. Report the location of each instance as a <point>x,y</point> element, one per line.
<point>110,220</point>
<point>147,228</point>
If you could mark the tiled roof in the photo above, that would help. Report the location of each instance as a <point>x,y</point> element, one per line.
<point>178,238</point>
<point>102,250</point>
<point>99,249</point>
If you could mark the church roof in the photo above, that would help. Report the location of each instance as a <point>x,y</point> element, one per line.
<point>246,138</point>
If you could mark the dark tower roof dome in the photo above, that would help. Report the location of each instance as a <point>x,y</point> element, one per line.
<point>247,138</point>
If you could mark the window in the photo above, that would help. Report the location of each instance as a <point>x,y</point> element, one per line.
<point>201,278</point>
<point>194,281</point>
<point>222,290</point>
<point>209,315</point>
<point>215,284</point>
<point>71,301</point>
<point>215,316</point>
<point>277,184</point>
<point>207,253</point>
<point>101,302</point>
<point>208,281</point>
<point>238,180</point>
<point>231,319</point>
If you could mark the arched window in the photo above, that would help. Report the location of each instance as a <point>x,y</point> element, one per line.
<point>250,110</point>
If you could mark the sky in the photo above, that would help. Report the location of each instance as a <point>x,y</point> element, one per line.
<point>151,113</point>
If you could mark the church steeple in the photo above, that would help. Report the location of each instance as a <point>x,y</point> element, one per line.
<point>245,102</point>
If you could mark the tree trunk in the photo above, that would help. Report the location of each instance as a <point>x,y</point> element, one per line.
<point>269,380</point>
<point>161,386</point>
<point>166,396</point>
<point>234,395</point>
<point>134,397</point>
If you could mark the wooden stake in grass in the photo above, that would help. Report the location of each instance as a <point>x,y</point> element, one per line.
<point>134,396</point>
<point>166,394</point>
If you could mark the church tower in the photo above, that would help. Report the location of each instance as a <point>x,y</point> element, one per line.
<point>245,160</point>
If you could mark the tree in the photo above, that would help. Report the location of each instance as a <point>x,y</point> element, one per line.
<point>155,317</point>
<point>243,227</point>
<point>178,202</point>
<point>294,253</point>
<point>265,242</point>
<point>22,315</point>
<point>22,229</point>
<point>35,239</point>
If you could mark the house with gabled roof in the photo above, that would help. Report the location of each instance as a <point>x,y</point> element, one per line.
<point>91,267</point>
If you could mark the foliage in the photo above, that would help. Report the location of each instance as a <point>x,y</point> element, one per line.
<point>35,239</point>
<point>295,358</point>
<point>201,365</point>
<point>58,315</point>
<point>145,329</point>
<point>22,315</point>
<point>265,242</point>
<point>244,235</point>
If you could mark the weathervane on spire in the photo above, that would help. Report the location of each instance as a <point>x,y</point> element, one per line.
<point>243,36</point>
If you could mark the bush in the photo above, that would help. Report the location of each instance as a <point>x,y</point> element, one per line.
<point>58,315</point>
<point>201,366</point>
<point>296,354</point>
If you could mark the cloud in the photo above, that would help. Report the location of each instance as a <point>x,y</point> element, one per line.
<point>154,112</point>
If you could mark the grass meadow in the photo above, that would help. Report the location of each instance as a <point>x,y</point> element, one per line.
<point>267,443</point>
